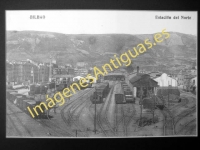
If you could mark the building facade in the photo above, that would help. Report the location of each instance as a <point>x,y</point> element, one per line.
<point>165,80</point>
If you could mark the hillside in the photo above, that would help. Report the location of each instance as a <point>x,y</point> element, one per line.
<point>38,46</point>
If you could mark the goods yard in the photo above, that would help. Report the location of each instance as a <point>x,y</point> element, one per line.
<point>106,109</point>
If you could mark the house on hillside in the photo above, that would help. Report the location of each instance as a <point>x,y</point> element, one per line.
<point>189,80</point>
<point>174,74</point>
<point>193,85</point>
<point>193,71</point>
<point>181,78</point>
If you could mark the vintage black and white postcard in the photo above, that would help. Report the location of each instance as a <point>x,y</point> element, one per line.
<point>101,73</point>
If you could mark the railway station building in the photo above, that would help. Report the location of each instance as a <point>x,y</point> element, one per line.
<point>140,80</point>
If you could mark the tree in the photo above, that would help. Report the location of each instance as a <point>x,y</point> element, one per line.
<point>149,103</point>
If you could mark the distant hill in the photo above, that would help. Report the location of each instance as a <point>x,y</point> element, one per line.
<point>38,46</point>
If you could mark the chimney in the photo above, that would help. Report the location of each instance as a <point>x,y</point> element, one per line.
<point>137,69</point>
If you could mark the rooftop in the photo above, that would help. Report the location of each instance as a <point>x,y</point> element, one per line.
<point>143,80</point>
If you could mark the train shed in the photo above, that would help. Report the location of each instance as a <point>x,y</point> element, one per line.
<point>143,81</point>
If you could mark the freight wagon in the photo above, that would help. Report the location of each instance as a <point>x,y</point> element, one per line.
<point>96,99</point>
<point>31,104</point>
<point>13,95</point>
<point>8,93</point>
<point>22,101</point>
<point>38,89</point>
<point>128,94</point>
<point>19,102</point>
<point>101,91</point>
<point>119,94</point>
<point>61,87</point>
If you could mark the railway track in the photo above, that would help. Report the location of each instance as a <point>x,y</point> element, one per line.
<point>184,114</point>
<point>67,105</point>
<point>55,129</point>
<point>181,104</point>
<point>190,130</point>
<point>170,121</point>
<point>123,117</point>
<point>15,120</point>
<point>102,119</point>
<point>120,120</point>
<point>74,115</point>
<point>128,118</point>
<point>52,127</point>
<point>187,126</point>
<point>124,121</point>
<point>73,103</point>
<point>168,127</point>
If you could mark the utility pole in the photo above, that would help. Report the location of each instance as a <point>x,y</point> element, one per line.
<point>95,109</point>
<point>95,118</point>
<point>50,68</point>
<point>141,105</point>
<point>168,94</point>
<point>153,106</point>
<point>38,73</point>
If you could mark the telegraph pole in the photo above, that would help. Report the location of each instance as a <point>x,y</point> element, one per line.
<point>95,117</point>
<point>168,94</point>
<point>141,105</point>
<point>95,109</point>
<point>50,68</point>
<point>38,74</point>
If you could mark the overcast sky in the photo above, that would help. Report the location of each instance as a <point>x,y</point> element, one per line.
<point>102,22</point>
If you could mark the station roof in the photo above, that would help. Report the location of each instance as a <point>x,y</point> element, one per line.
<point>143,80</point>
<point>115,73</point>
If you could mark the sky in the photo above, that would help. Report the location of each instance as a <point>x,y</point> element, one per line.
<point>101,21</point>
